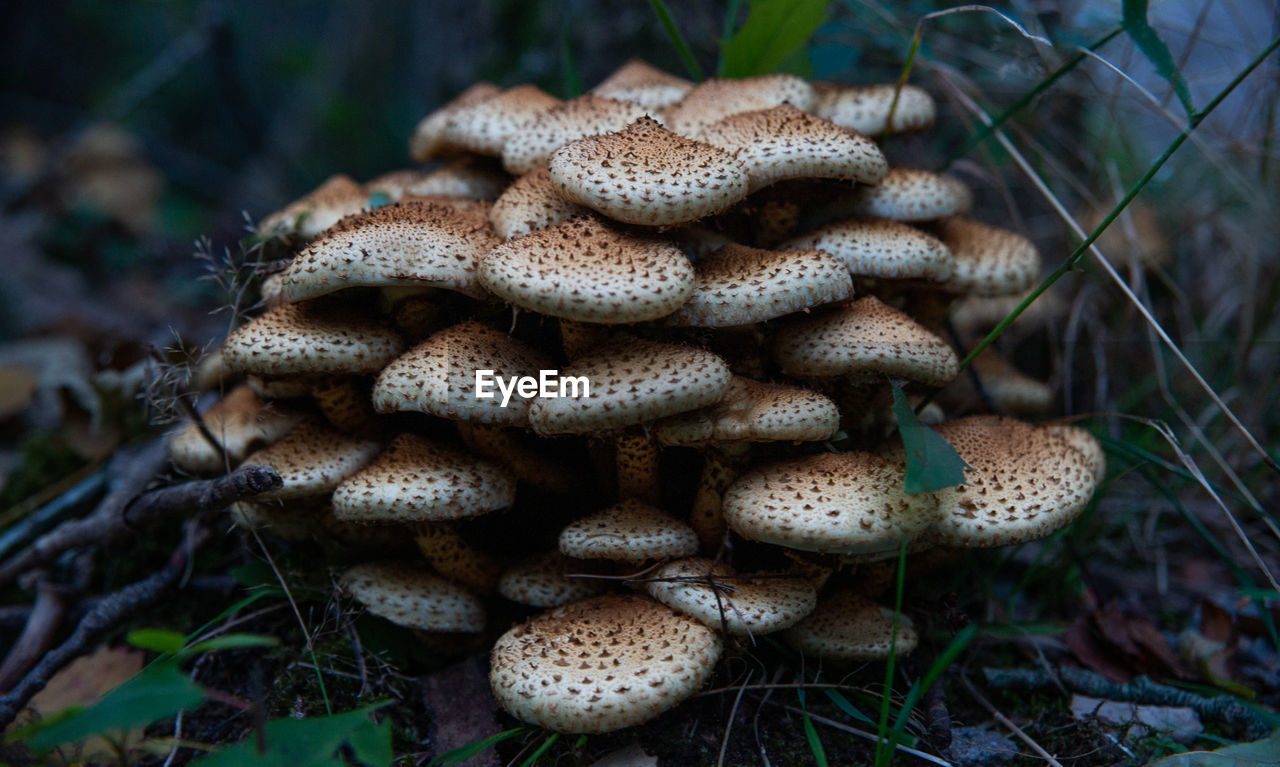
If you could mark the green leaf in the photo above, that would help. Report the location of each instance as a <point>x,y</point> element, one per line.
<point>1143,36</point>
<point>774,32</point>
<point>232,642</point>
<point>158,691</point>
<point>463,753</point>
<point>155,640</point>
<point>932,463</point>
<point>313,741</point>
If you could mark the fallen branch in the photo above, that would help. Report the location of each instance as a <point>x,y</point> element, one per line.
<point>38,633</point>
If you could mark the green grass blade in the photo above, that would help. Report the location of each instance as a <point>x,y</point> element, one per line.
<point>1143,36</point>
<point>842,703</point>
<point>726,31</point>
<point>570,79</point>
<point>884,743</point>
<point>940,664</point>
<point>815,743</point>
<point>463,753</point>
<point>775,30</point>
<point>677,39</point>
<point>546,745</point>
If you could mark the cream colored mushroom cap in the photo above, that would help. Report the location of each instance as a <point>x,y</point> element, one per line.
<point>630,531</point>
<point>1086,443</point>
<point>529,205</point>
<point>633,382</point>
<point>847,626</point>
<point>738,285</point>
<point>240,422</point>
<point>866,108</point>
<point>438,376</point>
<point>583,269</point>
<point>714,99</point>
<point>989,261</point>
<point>601,664</point>
<point>412,596</point>
<point>1009,389</point>
<point>864,339</point>
<point>647,175</point>
<point>310,338</point>
<point>428,141</point>
<point>877,247</point>
<point>783,142</point>
<point>833,503</point>
<point>907,194</point>
<point>588,115</point>
<point>643,84</point>
<point>483,127</point>
<point>320,208</point>
<point>543,580</point>
<point>739,605</point>
<point>417,244</point>
<point>466,178</point>
<point>313,459</point>
<point>414,480</point>
<point>755,411</point>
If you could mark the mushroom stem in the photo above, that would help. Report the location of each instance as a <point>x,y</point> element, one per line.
<point>719,470</point>
<point>531,467</point>
<point>577,338</point>
<point>344,401</point>
<point>637,462</point>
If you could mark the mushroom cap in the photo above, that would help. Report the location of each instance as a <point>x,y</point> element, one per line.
<point>739,605</point>
<point>313,459</point>
<point>428,141</point>
<point>908,194</point>
<point>310,338</point>
<point>530,204</point>
<point>601,664</point>
<point>438,376</point>
<point>866,108</point>
<point>645,174</point>
<point>542,580</point>
<point>483,126</point>
<point>783,142</point>
<point>880,248</point>
<point>320,208</point>
<point>240,422</point>
<point>530,147</point>
<point>630,531</point>
<point>633,382</point>
<point>640,83</point>
<point>411,243</point>
<point>414,480</point>
<point>833,503</point>
<point>755,411</point>
<point>715,99</point>
<point>584,269</point>
<point>412,596</point>
<point>1086,443</point>
<point>1009,389</point>
<point>864,339</point>
<point>989,261</point>
<point>466,178</point>
<point>295,520</point>
<point>847,626</point>
<point>738,285</point>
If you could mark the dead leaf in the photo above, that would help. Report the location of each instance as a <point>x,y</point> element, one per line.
<point>17,389</point>
<point>1093,653</point>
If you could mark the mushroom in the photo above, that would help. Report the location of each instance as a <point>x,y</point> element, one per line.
<point>531,204</point>
<point>715,594</point>
<point>240,422</point>
<point>411,596</point>
<point>588,115</point>
<point>311,338</point>
<point>714,99</point>
<point>866,108</point>
<point>313,460</point>
<point>544,580</point>
<point>846,626</point>
<point>643,84</point>
<point>630,531</point>
<point>880,248</point>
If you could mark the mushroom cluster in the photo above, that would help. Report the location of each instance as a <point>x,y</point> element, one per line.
<point>732,273</point>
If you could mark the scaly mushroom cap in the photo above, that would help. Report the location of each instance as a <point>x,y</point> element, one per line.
<point>880,248</point>
<point>484,126</point>
<point>833,503</point>
<point>296,520</point>
<point>738,285</point>
<point>783,142</point>
<point>846,626</point>
<point>907,194</point>
<point>1026,483</point>
<point>413,480</point>
<point>529,205</point>
<point>988,261</point>
<point>412,596</point>
<point>601,664</point>
<point>754,411</point>
<point>468,177</point>
<point>739,605</point>
<point>310,338</point>
<point>712,100</point>
<point>530,147</point>
<point>320,208</point>
<point>648,175</point>
<point>438,376</point>
<point>630,531</point>
<point>1009,389</point>
<point>633,382</point>
<point>640,83</point>
<point>313,459</point>
<point>543,580</point>
<point>866,108</point>
<point>428,141</point>
<point>240,422</point>
<point>865,340</point>
<point>583,269</point>
<point>1084,442</point>
<point>421,244</point>
<point>451,556</point>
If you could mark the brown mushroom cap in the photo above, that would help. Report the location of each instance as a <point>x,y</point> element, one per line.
<point>847,626</point>
<point>584,269</point>
<point>648,175</point>
<point>428,141</point>
<point>864,339</point>
<point>988,261</point>
<point>530,204</point>
<point>240,422</point>
<point>737,285</point>
<point>438,376</point>
<point>310,338</point>
<point>412,596</point>
<point>755,411</point>
<point>484,125</point>
<point>466,178</point>
<point>866,108</point>
<point>739,605</point>
<point>880,248</point>
<point>413,480</point>
<point>543,580</point>
<point>833,503</point>
<point>638,82</point>
<point>633,382</point>
<point>530,147</point>
<point>907,194</point>
<point>313,459</point>
<point>630,531</point>
<point>421,244</point>
<point>320,208</point>
<point>715,99</point>
<point>601,664</point>
<point>783,142</point>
